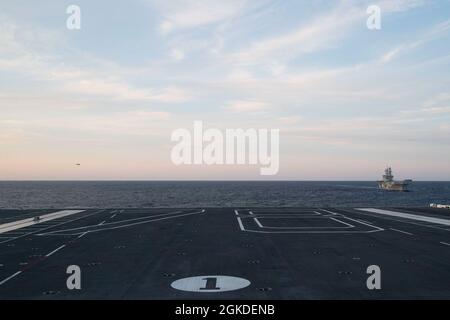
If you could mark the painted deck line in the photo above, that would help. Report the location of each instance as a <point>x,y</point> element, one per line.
<point>241,226</point>
<point>401,231</point>
<point>10,226</point>
<point>82,235</point>
<point>117,225</point>
<point>445,222</point>
<point>10,277</point>
<point>54,251</point>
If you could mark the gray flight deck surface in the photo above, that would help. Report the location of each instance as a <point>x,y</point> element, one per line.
<point>285,253</point>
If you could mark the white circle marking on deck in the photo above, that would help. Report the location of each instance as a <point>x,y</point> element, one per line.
<point>210,284</point>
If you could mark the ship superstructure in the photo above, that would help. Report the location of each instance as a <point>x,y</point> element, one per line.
<point>388,182</point>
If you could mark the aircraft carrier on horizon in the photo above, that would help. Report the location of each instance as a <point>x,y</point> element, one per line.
<point>225,253</point>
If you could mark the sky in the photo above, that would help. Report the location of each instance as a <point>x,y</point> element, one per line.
<point>348,100</point>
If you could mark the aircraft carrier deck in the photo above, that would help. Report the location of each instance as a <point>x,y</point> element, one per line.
<point>277,253</point>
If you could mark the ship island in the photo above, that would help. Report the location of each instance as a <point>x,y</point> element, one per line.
<point>388,182</point>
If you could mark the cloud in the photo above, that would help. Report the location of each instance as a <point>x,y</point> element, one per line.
<point>177,54</point>
<point>141,122</point>
<point>440,98</point>
<point>294,89</point>
<point>97,77</point>
<point>121,91</point>
<point>78,125</point>
<point>246,106</point>
<point>434,33</point>
<point>370,132</point>
<point>387,57</point>
<point>187,14</point>
<point>436,110</point>
<point>393,6</point>
<point>291,120</point>
<point>320,33</point>
<point>10,131</point>
<point>438,104</point>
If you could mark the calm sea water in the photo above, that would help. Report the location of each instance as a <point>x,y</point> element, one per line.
<point>122,194</point>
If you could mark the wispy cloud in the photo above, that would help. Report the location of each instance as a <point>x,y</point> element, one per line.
<point>393,6</point>
<point>320,33</point>
<point>438,104</point>
<point>185,14</point>
<point>387,57</point>
<point>246,106</point>
<point>21,57</point>
<point>434,33</point>
<point>122,91</point>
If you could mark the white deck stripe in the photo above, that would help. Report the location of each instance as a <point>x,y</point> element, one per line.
<point>240,224</point>
<point>445,243</point>
<point>54,251</point>
<point>333,213</point>
<point>364,221</point>
<point>19,272</point>
<point>10,277</point>
<point>445,222</point>
<point>258,222</point>
<point>118,225</point>
<point>10,226</point>
<point>82,235</point>
<point>401,231</point>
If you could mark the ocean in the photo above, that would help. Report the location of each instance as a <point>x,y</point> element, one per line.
<point>185,194</point>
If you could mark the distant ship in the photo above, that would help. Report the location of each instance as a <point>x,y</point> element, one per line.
<point>388,182</point>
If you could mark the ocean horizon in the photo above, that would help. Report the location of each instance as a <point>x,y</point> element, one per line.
<point>226,193</point>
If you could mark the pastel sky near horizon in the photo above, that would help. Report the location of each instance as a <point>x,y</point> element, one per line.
<point>348,100</point>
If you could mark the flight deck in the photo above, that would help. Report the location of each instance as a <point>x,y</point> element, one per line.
<point>225,253</point>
